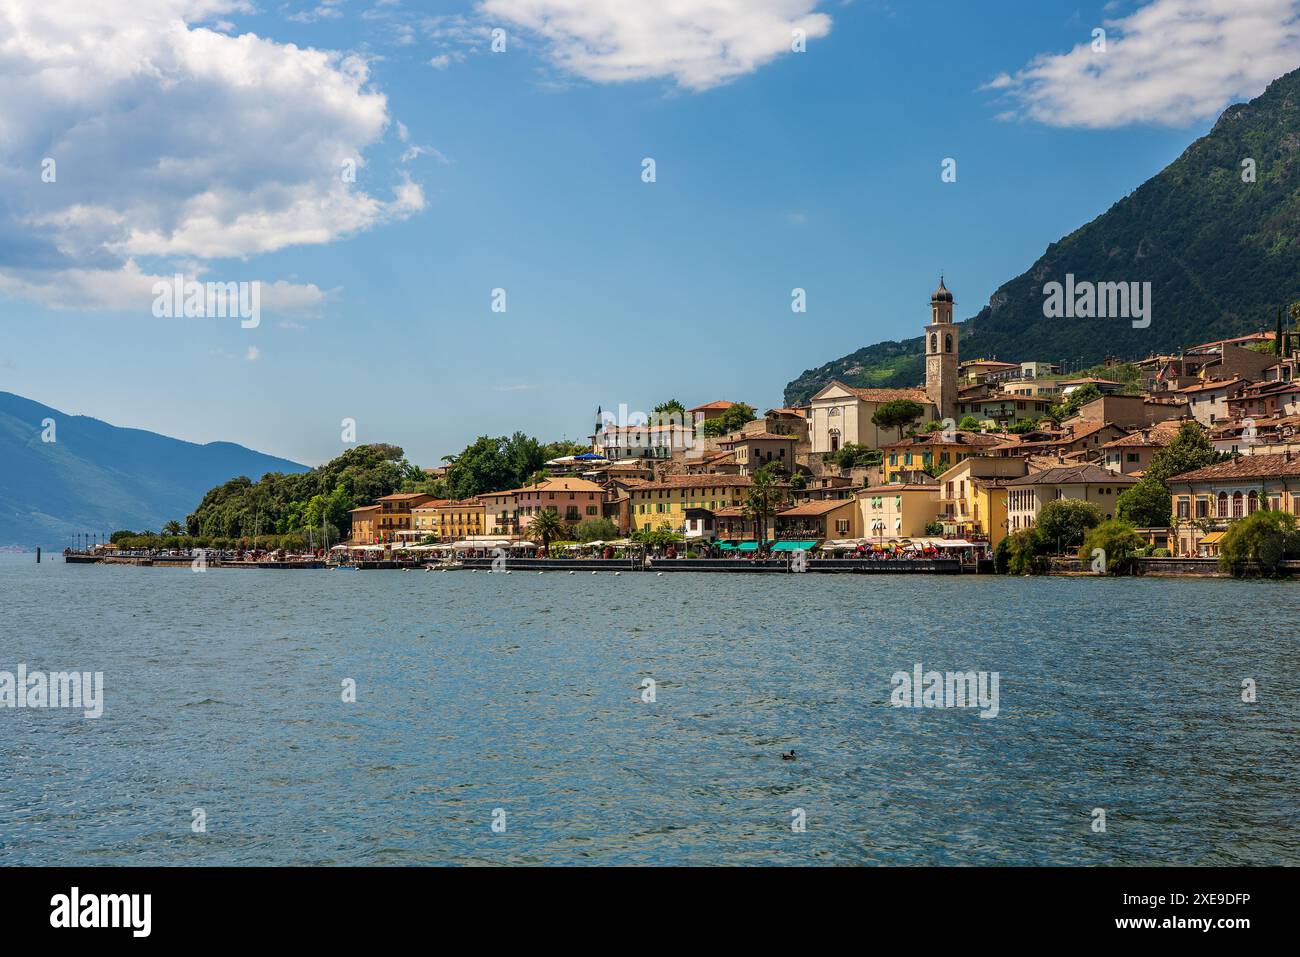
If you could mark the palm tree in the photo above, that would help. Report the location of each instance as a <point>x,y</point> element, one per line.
<point>765,494</point>
<point>548,525</point>
<point>173,528</point>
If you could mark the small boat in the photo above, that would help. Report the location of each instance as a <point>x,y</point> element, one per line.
<point>448,564</point>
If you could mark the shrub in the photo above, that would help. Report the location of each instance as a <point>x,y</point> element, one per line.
<point>1265,539</point>
<point>1118,541</point>
<point>1025,551</point>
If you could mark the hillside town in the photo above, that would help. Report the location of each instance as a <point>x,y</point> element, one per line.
<point>952,467</point>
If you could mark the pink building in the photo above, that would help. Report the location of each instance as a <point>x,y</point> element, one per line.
<point>575,500</point>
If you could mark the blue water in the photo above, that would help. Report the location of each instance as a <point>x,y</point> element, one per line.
<point>523,692</point>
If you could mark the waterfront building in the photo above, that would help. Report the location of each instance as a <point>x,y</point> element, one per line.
<point>394,520</point>
<point>1207,500</point>
<point>889,512</point>
<point>500,513</point>
<point>575,500</point>
<point>972,497</point>
<point>819,521</point>
<point>424,520</point>
<point>1027,495</point>
<point>457,519</point>
<point>654,503</point>
<point>365,524</point>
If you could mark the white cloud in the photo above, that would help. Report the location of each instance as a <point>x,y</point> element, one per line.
<point>1171,62</point>
<point>173,143</point>
<point>697,43</point>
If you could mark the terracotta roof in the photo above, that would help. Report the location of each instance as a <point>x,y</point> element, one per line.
<point>1246,467</point>
<point>1210,386</point>
<point>814,509</point>
<point>886,395</point>
<point>802,413</point>
<point>436,503</point>
<point>366,508</point>
<point>562,485</point>
<point>1156,436</point>
<point>402,496</point>
<point>1074,475</point>
<point>731,511</point>
<point>712,406</point>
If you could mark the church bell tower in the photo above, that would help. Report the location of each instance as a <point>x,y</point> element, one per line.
<point>941,354</point>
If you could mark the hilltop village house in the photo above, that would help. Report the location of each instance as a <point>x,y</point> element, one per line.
<point>935,484</point>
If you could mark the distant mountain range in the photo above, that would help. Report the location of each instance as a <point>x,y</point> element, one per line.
<point>1221,254</point>
<point>97,477</point>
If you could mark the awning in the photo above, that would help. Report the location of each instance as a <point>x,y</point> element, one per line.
<point>747,546</point>
<point>956,543</point>
<point>794,546</point>
<point>1212,538</point>
<point>727,546</point>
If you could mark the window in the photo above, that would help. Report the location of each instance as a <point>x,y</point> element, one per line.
<point>1222,511</point>
<point>1183,508</point>
<point>1236,504</point>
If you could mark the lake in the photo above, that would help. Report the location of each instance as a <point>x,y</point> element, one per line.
<point>518,700</point>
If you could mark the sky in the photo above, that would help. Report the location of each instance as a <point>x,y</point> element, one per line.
<point>389,177</point>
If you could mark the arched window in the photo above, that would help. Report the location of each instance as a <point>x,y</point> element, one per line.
<point>947,343</point>
<point>934,342</point>
<point>1252,504</point>
<point>1236,505</point>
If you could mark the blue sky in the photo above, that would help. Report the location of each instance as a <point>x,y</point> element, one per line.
<point>211,146</point>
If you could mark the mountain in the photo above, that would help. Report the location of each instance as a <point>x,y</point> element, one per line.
<point>96,477</point>
<point>1221,255</point>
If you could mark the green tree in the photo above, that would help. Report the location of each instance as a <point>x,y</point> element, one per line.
<point>1063,523</point>
<point>1118,540</point>
<point>897,414</point>
<point>1024,552</point>
<point>595,530</point>
<point>968,423</point>
<point>173,528</point>
<point>730,421</point>
<point>546,525</point>
<point>857,456</point>
<point>1076,400</point>
<point>1147,504</point>
<point>1190,450</point>
<point>1263,540</point>
<point>671,407</point>
<point>657,538</point>
<point>765,495</point>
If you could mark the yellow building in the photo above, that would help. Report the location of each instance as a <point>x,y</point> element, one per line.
<point>365,524</point>
<point>973,497</point>
<point>897,511</point>
<point>654,503</point>
<point>450,520</point>
<point>933,452</point>
<point>1207,501</point>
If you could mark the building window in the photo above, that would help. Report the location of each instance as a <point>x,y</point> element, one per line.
<point>1236,504</point>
